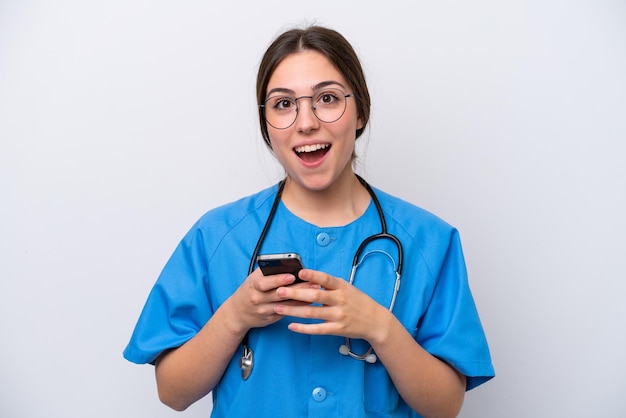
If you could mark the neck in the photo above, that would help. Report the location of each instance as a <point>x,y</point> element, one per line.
<point>342,202</point>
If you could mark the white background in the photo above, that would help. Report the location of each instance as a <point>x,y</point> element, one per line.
<point>121,122</point>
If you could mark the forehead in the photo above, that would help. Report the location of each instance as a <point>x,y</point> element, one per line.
<point>302,71</point>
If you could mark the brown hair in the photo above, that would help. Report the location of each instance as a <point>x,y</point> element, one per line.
<point>329,43</point>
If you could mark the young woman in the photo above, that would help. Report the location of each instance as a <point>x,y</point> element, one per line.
<point>382,322</point>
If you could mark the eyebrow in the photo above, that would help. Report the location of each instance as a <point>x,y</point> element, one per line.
<point>317,86</point>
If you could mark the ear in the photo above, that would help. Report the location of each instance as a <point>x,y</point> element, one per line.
<point>359,123</point>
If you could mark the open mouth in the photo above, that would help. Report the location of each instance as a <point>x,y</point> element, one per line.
<point>312,153</point>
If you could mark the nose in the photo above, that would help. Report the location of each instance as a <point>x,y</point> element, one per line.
<point>306,119</point>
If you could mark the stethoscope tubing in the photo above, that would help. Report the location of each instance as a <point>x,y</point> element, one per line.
<point>246,363</point>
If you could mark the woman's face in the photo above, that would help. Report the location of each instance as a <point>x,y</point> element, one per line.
<point>313,153</point>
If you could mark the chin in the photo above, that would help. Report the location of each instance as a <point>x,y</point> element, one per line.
<point>312,183</point>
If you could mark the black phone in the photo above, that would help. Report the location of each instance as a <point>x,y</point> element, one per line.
<point>280,263</point>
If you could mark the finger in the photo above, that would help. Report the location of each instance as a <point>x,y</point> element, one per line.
<point>292,294</point>
<point>265,283</point>
<point>320,278</point>
<point>323,328</point>
<point>333,320</point>
<point>306,294</point>
<point>317,294</point>
<point>305,310</point>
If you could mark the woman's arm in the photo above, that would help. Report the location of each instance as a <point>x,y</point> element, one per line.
<point>189,372</point>
<point>428,385</point>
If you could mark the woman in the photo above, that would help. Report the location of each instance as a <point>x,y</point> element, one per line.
<point>303,343</point>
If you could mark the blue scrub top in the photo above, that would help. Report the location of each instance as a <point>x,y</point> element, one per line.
<point>299,375</point>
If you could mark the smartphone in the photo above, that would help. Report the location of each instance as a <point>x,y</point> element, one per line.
<point>280,263</point>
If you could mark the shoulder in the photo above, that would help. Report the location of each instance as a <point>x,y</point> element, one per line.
<point>221,221</point>
<point>418,229</point>
<point>408,215</point>
<point>232,213</point>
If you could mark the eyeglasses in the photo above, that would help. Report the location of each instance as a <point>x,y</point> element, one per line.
<point>328,106</point>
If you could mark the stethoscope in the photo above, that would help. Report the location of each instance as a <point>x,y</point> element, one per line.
<point>246,362</point>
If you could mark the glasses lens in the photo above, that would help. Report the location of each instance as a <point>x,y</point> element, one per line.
<point>328,106</point>
<point>281,111</point>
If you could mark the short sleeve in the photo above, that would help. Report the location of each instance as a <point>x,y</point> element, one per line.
<point>178,305</point>
<point>451,329</point>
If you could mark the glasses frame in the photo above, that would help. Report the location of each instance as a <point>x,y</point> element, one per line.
<point>313,108</point>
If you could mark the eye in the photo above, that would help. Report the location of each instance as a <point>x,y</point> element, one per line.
<point>282,103</point>
<point>328,98</point>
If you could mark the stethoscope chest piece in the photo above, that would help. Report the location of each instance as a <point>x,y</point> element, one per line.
<point>246,362</point>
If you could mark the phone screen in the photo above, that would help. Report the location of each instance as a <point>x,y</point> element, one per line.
<point>280,263</point>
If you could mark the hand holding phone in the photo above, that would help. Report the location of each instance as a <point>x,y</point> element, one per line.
<point>271,264</point>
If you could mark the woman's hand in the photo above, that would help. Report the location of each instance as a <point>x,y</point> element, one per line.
<point>189,372</point>
<point>254,302</point>
<point>430,386</point>
<point>345,310</point>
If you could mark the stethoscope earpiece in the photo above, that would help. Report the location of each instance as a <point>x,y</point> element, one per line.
<point>347,351</point>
